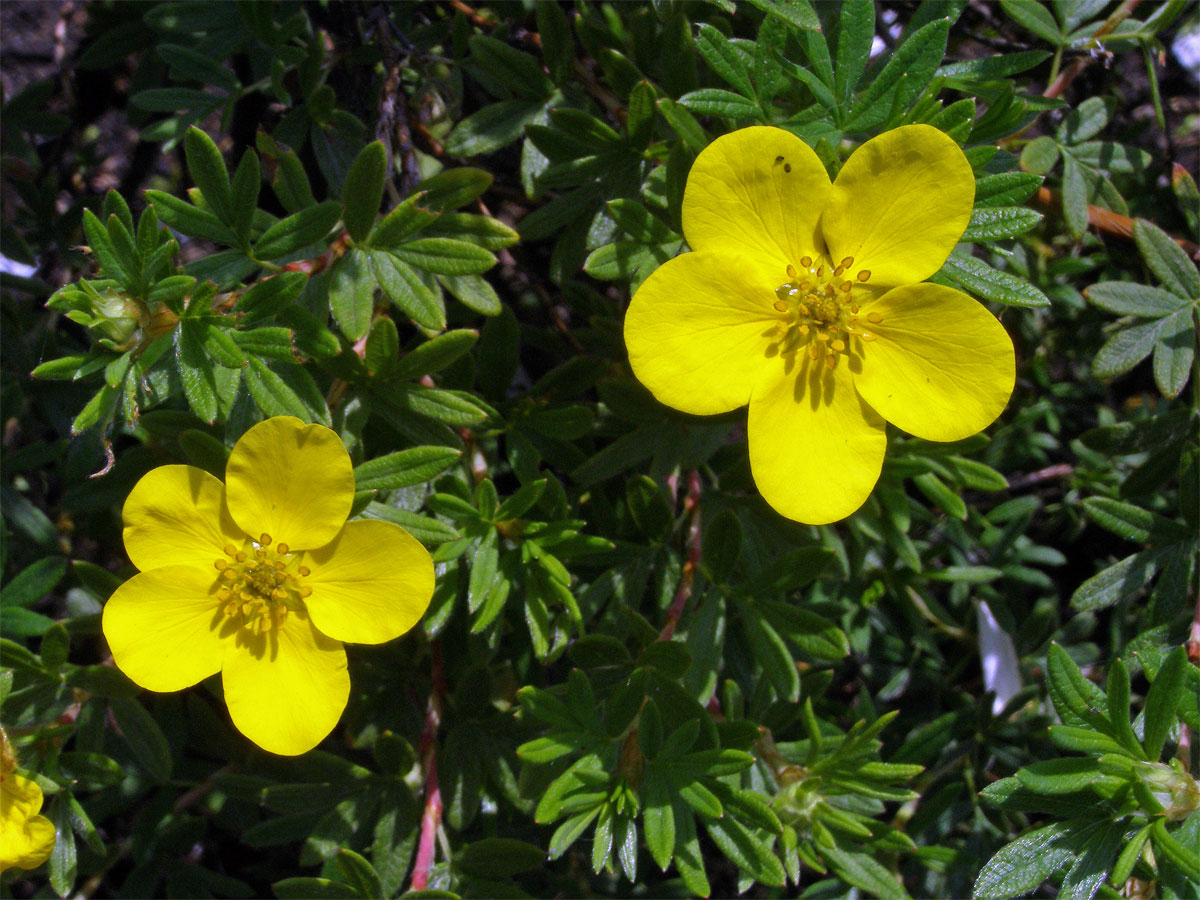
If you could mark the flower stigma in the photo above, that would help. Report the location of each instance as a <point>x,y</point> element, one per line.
<point>818,308</point>
<point>259,584</point>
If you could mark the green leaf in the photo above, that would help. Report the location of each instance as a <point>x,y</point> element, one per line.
<point>34,582</point>
<point>358,873</point>
<point>997,223</point>
<point>1126,298</point>
<point>443,406</point>
<point>1118,707</point>
<point>1083,122</point>
<point>1132,522</point>
<point>291,183</point>
<point>1030,14</point>
<point>683,123</point>
<point>499,858</point>
<point>474,292</point>
<point>102,247</point>
<point>722,545</point>
<point>1005,189</point>
<point>724,59</point>
<point>407,218</point>
<point>1112,157</point>
<point>496,125</point>
<point>436,354</point>
<point>749,853</point>
<point>864,872</point>
<point>1040,155</point>
<point>770,652</point>
<point>557,47</point>
<point>1162,701</point>
<point>352,293</point>
<point>1074,197</point>
<point>1091,866</point>
<point>719,102</point>
<point>856,30</point>
<point>266,297</point>
<point>144,737</point>
<point>1063,776</point>
<point>362,191</point>
<point>301,888</point>
<point>274,396</point>
<point>1165,844</point>
<point>1077,700</point>
<point>247,182</point>
<point>1127,348</point>
<point>207,168</point>
<point>940,495</point>
<point>63,858</point>
<point>190,220</point>
<point>404,468</point>
<point>797,13</point>
<point>991,68</point>
<point>1022,865</point>
<point>979,278</point>
<point>1174,352</point>
<point>511,69</point>
<point>1119,580</point>
<point>445,256</point>
<point>658,821</point>
<point>405,288</point>
<point>452,188</point>
<point>297,231</point>
<point>1167,260</point>
<point>904,78</point>
<point>1128,857</point>
<point>195,370</point>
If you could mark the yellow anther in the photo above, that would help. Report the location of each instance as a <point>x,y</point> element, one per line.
<point>839,345</point>
<point>305,591</point>
<point>804,310</point>
<point>839,270</point>
<point>780,305</point>
<point>864,274</point>
<point>822,336</point>
<point>282,548</point>
<point>847,262</point>
<point>874,317</point>
<point>230,549</point>
<point>220,565</point>
<point>846,286</point>
<point>264,539</point>
<point>304,570</point>
<point>806,261</point>
<point>854,308</point>
<point>804,285</point>
<point>240,556</point>
<point>830,361</point>
<point>867,336</point>
<point>229,574</point>
<point>803,329</point>
<point>814,352</point>
<point>791,271</point>
<point>820,271</point>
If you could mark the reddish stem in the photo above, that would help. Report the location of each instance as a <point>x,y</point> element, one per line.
<point>691,504</point>
<point>431,820</point>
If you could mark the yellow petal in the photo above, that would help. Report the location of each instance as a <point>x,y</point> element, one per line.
<point>176,515</point>
<point>942,367</point>
<point>162,627</point>
<point>815,448</point>
<point>291,481</point>
<point>371,584</point>
<point>699,330</point>
<point>757,191</point>
<point>286,689</point>
<point>26,839</point>
<point>900,204</point>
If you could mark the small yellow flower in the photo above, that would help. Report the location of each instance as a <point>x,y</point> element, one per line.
<point>261,579</point>
<point>803,299</point>
<point>26,839</point>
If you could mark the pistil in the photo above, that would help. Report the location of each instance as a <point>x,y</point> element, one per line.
<point>820,310</point>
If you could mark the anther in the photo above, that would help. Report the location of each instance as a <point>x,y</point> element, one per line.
<point>846,286</point>
<point>830,361</point>
<point>304,570</point>
<point>229,574</point>
<point>780,305</point>
<point>264,539</point>
<point>820,271</point>
<point>305,591</point>
<point>867,336</point>
<point>814,352</point>
<point>822,336</point>
<point>847,262</point>
<point>240,556</point>
<point>874,317</point>
<point>839,345</point>
<point>791,270</point>
<point>806,261</point>
<point>230,549</point>
<point>864,274</point>
<point>282,548</point>
<point>839,270</point>
<point>220,565</point>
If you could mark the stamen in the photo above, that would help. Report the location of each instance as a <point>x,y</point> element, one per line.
<point>780,306</point>
<point>839,345</point>
<point>874,317</point>
<point>846,286</point>
<point>220,565</point>
<point>304,571</point>
<point>282,548</point>
<point>847,262</point>
<point>264,539</point>
<point>839,270</point>
<point>814,352</point>
<point>791,270</point>
<point>806,261</point>
<point>867,336</point>
<point>230,549</point>
<point>830,361</point>
<point>864,275</point>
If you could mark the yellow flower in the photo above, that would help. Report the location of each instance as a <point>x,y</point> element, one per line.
<point>261,579</point>
<point>802,298</point>
<point>26,839</point>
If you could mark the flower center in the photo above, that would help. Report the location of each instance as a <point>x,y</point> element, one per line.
<point>260,584</point>
<point>818,309</point>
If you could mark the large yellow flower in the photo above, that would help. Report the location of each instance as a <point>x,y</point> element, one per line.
<point>802,298</point>
<point>26,838</point>
<point>261,579</point>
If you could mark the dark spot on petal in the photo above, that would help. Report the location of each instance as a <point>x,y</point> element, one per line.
<point>787,167</point>
<point>778,160</point>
